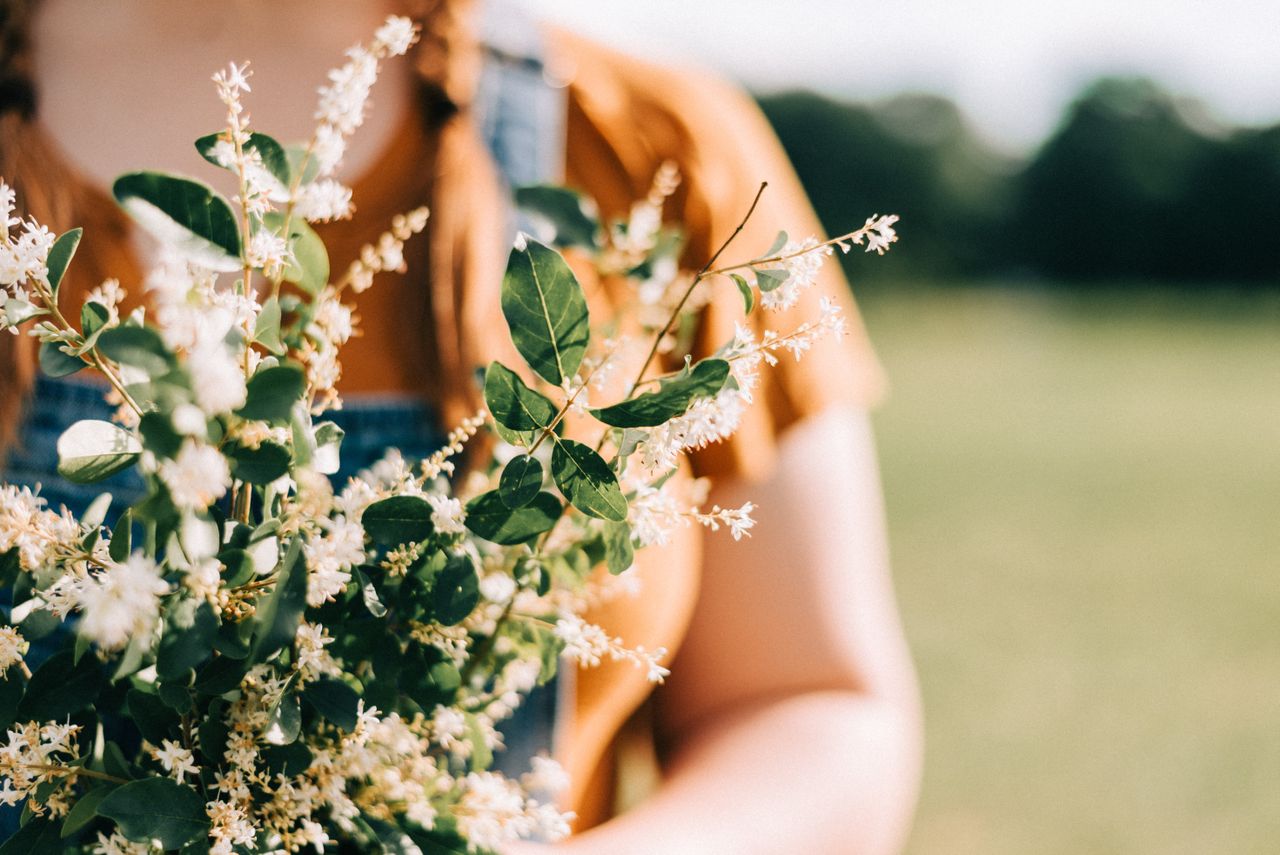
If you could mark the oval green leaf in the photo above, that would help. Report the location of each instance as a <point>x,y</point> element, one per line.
<point>671,400</point>
<point>156,809</point>
<point>60,255</point>
<point>183,213</point>
<point>89,451</point>
<point>513,404</point>
<point>397,520</point>
<point>587,481</point>
<point>521,480</point>
<point>546,311</point>
<point>489,517</point>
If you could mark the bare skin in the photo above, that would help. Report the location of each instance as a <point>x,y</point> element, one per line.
<point>792,706</point>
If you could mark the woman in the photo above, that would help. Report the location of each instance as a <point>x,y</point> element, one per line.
<point>790,721</point>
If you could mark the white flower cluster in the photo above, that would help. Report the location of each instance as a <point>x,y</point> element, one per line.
<point>119,602</point>
<point>802,262</point>
<point>590,645</point>
<point>343,98</point>
<point>23,262</point>
<point>40,536</point>
<point>34,754</point>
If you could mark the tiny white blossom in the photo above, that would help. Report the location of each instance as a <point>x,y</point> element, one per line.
<point>197,477</point>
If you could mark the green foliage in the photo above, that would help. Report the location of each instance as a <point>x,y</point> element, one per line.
<point>55,363</point>
<point>277,620</point>
<point>334,700</point>
<point>274,157</point>
<point>156,808</point>
<point>309,268</point>
<point>260,465</point>
<point>139,347</point>
<point>188,638</point>
<point>513,404</point>
<point>397,520</point>
<point>618,551</point>
<point>587,481</point>
<point>456,591</point>
<point>272,392</point>
<point>521,480</point>
<point>60,255</point>
<point>90,451</point>
<point>572,217</point>
<point>185,213</point>
<point>672,399</point>
<point>61,687</point>
<point>489,517</point>
<point>38,837</point>
<point>546,311</point>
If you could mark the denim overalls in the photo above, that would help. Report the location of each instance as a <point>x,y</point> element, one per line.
<point>521,117</point>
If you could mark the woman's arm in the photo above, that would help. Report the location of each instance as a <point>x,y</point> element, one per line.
<point>792,707</point>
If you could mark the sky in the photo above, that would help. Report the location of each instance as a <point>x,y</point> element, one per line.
<point>1012,65</point>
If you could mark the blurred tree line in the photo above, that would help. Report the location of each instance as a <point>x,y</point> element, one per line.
<point>1134,184</point>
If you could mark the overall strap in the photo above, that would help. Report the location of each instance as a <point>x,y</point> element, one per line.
<point>520,110</point>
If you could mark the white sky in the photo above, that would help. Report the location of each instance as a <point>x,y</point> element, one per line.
<point>1011,64</point>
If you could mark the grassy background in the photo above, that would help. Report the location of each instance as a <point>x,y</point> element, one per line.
<point>1083,498</point>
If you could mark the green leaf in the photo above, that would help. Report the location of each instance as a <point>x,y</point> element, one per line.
<point>521,480</point>
<point>89,451</point>
<point>220,675</point>
<point>573,217</point>
<point>619,554</point>
<point>11,688</point>
<point>122,538</point>
<point>587,481</point>
<point>158,435</point>
<point>397,520</point>
<point>156,808</point>
<point>369,594</point>
<point>188,638</point>
<point>140,347</point>
<point>37,837</point>
<point>748,295</point>
<point>277,619</point>
<point>17,311</point>
<point>60,255</point>
<point>260,465</point>
<point>671,400</point>
<point>481,755</point>
<point>61,687</point>
<point>93,318</point>
<point>546,311</point>
<point>272,392</point>
<point>334,700</point>
<point>289,760</point>
<point>273,154</point>
<point>513,404</point>
<point>183,213</point>
<point>769,278</point>
<point>54,362</point>
<point>266,330</point>
<point>85,810</point>
<point>285,720</point>
<point>490,518</point>
<point>456,591</point>
<point>310,266</point>
<point>154,719</point>
<point>328,446</point>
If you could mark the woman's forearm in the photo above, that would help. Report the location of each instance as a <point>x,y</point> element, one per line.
<point>821,772</point>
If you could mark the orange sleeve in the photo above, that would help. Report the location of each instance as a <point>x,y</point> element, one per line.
<point>625,118</point>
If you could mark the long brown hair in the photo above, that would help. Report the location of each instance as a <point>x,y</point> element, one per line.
<point>461,238</point>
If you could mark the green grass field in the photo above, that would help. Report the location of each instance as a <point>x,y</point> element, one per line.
<point>1083,498</point>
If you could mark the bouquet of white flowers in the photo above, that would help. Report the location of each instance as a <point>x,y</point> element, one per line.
<point>248,660</point>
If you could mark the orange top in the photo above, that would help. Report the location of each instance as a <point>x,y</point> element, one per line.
<point>625,117</point>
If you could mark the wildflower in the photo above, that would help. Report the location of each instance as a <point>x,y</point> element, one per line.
<point>323,200</point>
<point>447,514</point>
<point>197,477</point>
<point>217,380</point>
<point>121,602</point>
<point>330,558</point>
<point>12,648</point>
<point>175,759</point>
<point>802,263</point>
